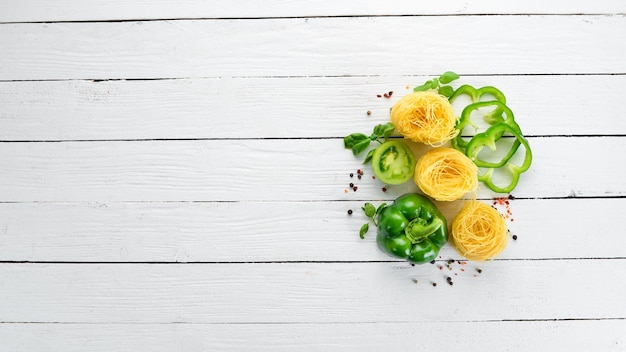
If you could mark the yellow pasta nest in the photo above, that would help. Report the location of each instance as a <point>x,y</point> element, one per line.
<point>424,117</point>
<point>445,174</point>
<point>479,231</point>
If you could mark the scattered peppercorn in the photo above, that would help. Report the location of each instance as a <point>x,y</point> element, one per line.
<point>373,177</point>
<point>369,112</point>
<point>479,270</point>
<point>448,279</point>
<point>359,177</point>
<point>355,188</point>
<point>434,284</point>
<point>415,280</point>
<point>451,283</point>
<point>514,237</point>
<point>384,189</point>
<point>378,96</point>
<point>351,174</point>
<point>432,261</point>
<point>450,261</point>
<point>349,211</point>
<point>351,184</point>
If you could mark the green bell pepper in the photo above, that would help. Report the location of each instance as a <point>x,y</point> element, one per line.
<point>412,228</point>
<point>476,94</point>
<point>489,139</point>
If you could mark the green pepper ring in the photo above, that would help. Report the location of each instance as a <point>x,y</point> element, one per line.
<point>488,139</point>
<point>459,144</point>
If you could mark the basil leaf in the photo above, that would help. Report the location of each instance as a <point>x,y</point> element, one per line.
<point>448,77</point>
<point>350,141</point>
<point>434,83</point>
<point>446,91</point>
<point>364,230</point>
<point>369,156</point>
<point>369,210</point>
<point>387,129</point>
<point>423,87</point>
<point>360,146</point>
<point>380,208</point>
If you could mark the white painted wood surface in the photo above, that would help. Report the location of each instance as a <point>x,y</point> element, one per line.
<point>172,176</point>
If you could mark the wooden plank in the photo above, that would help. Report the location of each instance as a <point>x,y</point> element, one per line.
<point>214,232</point>
<point>474,336</point>
<point>266,170</point>
<point>281,107</point>
<point>316,46</point>
<point>310,292</point>
<point>74,10</point>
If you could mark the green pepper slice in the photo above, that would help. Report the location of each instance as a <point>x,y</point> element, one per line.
<point>393,162</point>
<point>460,144</point>
<point>476,94</point>
<point>412,228</point>
<point>489,139</point>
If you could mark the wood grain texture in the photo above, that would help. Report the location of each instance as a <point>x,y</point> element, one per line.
<point>266,170</point>
<point>305,47</point>
<point>282,107</point>
<point>266,232</point>
<point>101,10</point>
<point>309,292</point>
<point>380,336</point>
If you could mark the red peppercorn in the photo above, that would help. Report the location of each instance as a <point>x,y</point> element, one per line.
<point>384,189</point>
<point>355,188</point>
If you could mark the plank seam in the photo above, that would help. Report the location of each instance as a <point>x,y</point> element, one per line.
<point>134,79</point>
<point>256,18</point>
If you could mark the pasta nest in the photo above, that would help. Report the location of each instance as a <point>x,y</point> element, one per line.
<point>424,117</point>
<point>445,174</point>
<point>479,231</point>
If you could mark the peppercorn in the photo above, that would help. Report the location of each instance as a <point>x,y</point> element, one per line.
<point>479,270</point>
<point>351,184</point>
<point>349,211</point>
<point>355,188</point>
<point>434,284</point>
<point>384,189</point>
<point>432,261</point>
<point>369,112</point>
<point>515,237</point>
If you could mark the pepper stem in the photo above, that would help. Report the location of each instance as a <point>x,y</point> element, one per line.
<point>418,229</point>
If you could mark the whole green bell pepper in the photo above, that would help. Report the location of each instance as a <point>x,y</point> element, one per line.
<point>412,228</point>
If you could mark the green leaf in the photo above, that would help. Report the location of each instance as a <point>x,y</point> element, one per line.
<point>364,230</point>
<point>360,146</point>
<point>350,141</point>
<point>423,87</point>
<point>434,83</point>
<point>446,91</point>
<point>369,156</point>
<point>369,209</point>
<point>380,208</point>
<point>387,129</point>
<point>448,77</point>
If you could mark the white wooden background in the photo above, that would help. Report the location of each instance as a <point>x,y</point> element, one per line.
<point>172,176</point>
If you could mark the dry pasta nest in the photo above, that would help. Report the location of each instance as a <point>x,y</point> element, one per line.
<point>424,117</point>
<point>446,174</point>
<point>479,231</point>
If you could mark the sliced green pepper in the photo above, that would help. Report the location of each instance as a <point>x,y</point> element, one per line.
<point>460,144</point>
<point>489,139</point>
<point>412,228</point>
<point>476,94</point>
